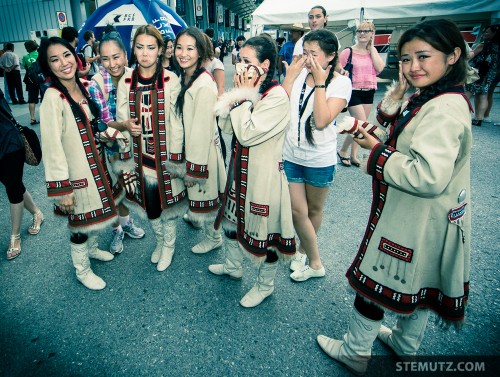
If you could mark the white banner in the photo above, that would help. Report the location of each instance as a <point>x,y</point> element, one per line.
<point>220,14</point>
<point>198,6</point>
<point>231,17</point>
<point>240,23</point>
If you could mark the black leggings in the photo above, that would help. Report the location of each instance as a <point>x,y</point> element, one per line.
<point>368,310</point>
<point>11,175</point>
<point>78,238</point>
<point>153,202</point>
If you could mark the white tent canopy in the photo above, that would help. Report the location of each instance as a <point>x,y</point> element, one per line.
<point>383,12</point>
<point>279,12</point>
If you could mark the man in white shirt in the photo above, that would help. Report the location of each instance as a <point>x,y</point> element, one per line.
<point>317,19</point>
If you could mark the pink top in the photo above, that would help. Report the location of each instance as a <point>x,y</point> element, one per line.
<point>364,75</point>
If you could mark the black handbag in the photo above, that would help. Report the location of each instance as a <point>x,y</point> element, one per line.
<point>348,65</point>
<point>33,150</point>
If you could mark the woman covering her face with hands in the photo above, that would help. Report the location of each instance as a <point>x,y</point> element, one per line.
<point>317,96</point>
<point>415,254</point>
<point>256,213</point>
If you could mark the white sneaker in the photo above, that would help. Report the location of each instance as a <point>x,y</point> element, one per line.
<point>298,261</point>
<point>117,241</point>
<point>487,120</point>
<point>307,272</point>
<point>133,231</point>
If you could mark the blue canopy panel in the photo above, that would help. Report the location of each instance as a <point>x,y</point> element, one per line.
<point>128,15</point>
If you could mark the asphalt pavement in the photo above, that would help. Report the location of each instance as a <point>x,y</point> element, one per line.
<point>186,321</point>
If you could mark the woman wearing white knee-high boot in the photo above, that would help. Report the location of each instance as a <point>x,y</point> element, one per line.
<point>256,216</point>
<point>415,254</point>
<point>75,171</point>
<point>148,94</point>
<point>205,172</point>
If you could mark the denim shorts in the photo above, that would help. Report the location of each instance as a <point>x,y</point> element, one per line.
<point>317,177</point>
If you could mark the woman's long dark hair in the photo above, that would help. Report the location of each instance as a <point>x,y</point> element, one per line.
<point>265,48</point>
<point>444,36</point>
<point>203,55</point>
<point>329,44</point>
<point>43,59</point>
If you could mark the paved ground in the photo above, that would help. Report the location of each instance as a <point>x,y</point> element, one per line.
<point>186,321</point>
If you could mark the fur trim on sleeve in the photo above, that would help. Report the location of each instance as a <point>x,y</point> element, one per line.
<point>120,166</point>
<point>196,180</point>
<point>225,104</point>
<point>178,169</point>
<point>388,105</point>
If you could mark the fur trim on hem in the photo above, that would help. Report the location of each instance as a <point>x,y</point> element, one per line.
<point>120,166</point>
<point>189,179</point>
<point>388,105</point>
<point>175,210</point>
<point>203,217</point>
<point>257,261</point>
<point>228,226</point>
<point>224,104</point>
<point>135,208</point>
<point>94,227</point>
<point>446,324</point>
<point>177,169</point>
<point>439,321</point>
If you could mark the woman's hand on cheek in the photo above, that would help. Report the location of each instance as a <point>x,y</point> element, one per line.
<point>319,74</point>
<point>243,81</point>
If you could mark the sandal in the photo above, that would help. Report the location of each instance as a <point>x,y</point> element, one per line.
<point>34,228</point>
<point>355,163</point>
<point>34,121</point>
<point>14,252</point>
<point>346,161</point>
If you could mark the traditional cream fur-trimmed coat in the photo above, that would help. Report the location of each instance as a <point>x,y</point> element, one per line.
<point>73,164</point>
<point>203,154</point>
<point>416,248</point>
<point>154,106</point>
<point>257,201</point>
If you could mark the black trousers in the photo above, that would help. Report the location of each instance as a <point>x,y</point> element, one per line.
<point>15,86</point>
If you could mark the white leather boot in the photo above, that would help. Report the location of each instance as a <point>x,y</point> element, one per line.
<point>157,226</point>
<point>168,248</point>
<point>81,262</point>
<point>95,252</point>
<point>212,241</point>
<point>406,336</point>
<point>264,286</point>
<point>232,264</point>
<point>356,348</point>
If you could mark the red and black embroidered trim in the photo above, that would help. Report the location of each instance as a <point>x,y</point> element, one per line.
<point>195,170</point>
<point>259,209</point>
<point>176,156</point>
<point>204,206</point>
<point>59,188</point>
<point>395,250</point>
<point>256,247</point>
<point>385,119</point>
<point>450,308</point>
<point>157,95</point>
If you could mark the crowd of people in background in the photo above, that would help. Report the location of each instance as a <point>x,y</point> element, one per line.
<point>144,133</point>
